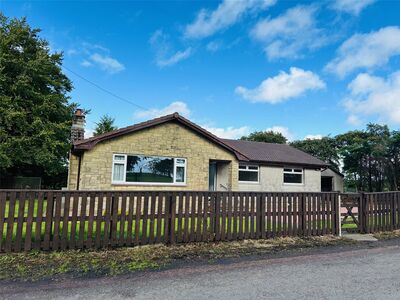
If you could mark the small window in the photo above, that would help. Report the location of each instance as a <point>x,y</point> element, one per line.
<point>148,169</point>
<point>293,176</point>
<point>248,173</point>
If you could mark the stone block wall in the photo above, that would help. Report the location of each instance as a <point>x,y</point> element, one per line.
<point>169,139</point>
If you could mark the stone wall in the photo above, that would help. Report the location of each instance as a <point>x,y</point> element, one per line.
<point>169,139</point>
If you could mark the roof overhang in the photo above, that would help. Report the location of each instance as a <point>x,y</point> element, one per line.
<point>88,144</point>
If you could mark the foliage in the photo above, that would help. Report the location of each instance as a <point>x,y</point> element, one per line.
<point>370,158</point>
<point>106,124</point>
<point>325,149</point>
<point>35,113</point>
<point>266,137</point>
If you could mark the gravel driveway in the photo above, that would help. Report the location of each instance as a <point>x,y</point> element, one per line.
<point>355,273</point>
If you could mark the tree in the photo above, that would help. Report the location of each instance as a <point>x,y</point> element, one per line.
<point>266,137</point>
<point>367,158</point>
<point>106,124</point>
<point>35,113</point>
<point>325,149</point>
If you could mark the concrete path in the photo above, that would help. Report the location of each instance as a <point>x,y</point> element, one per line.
<point>367,273</point>
<point>360,237</point>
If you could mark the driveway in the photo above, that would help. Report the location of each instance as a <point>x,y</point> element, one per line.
<point>370,272</point>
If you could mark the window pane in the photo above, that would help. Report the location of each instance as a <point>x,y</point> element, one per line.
<point>298,170</point>
<point>180,174</point>
<point>180,161</point>
<point>287,170</point>
<point>242,167</point>
<point>118,174</point>
<point>119,157</point>
<point>150,169</point>
<point>292,178</point>
<point>248,176</point>
<point>252,167</point>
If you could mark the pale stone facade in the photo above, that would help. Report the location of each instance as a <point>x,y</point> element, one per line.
<point>169,139</point>
<point>271,179</point>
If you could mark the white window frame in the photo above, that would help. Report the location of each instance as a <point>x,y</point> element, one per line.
<point>124,182</point>
<point>293,172</point>
<point>245,168</point>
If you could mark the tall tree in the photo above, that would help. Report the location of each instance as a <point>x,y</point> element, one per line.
<point>325,149</point>
<point>35,113</point>
<point>106,124</point>
<point>266,137</point>
<point>366,156</point>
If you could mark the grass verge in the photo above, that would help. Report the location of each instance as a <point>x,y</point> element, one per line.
<point>35,266</point>
<point>387,235</point>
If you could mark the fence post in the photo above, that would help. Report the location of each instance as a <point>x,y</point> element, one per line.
<point>336,213</point>
<point>339,213</point>
<point>361,213</point>
<point>303,215</point>
<point>171,218</point>
<point>260,210</point>
<point>393,211</point>
<point>113,223</point>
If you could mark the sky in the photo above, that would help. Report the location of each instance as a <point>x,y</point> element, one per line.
<point>305,69</point>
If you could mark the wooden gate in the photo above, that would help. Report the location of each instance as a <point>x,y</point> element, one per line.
<point>350,208</point>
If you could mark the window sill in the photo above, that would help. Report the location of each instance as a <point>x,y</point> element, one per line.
<point>295,184</point>
<point>249,182</point>
<point>148,184</point>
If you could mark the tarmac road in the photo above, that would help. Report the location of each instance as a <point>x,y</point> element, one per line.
<point>355,273</point>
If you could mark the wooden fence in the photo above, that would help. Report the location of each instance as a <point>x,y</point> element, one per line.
<point>380,211</point>
<point>58,220</point>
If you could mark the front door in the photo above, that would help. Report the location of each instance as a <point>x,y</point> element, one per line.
<point>212,176</point>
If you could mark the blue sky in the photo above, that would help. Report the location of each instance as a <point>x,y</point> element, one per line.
<point>305,69</point>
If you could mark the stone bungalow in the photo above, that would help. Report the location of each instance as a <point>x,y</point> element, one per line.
<point>173,153</point>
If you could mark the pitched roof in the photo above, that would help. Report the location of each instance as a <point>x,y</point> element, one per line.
<point>274,153</point>
<point>89,143</point>
<point>243,150</point>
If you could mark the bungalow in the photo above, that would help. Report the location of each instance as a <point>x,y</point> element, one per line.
<point>173,153</point>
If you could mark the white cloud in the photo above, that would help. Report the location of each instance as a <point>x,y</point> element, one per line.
<point>352,6</point>
<point>229,132</point>
<point>177,106</point>
<point>107,63</point>
<point>225,15</point>
<point>214,46</point>
<point>183,109</point>
<point>354,120</point>
<point>380,99</point>
<point>165,55</point>
<point>369,50</point>
<point>283,86</point>
<point>86,63</point>
<point>177,57</point>
<point>89,132</point>
<point>287,35</point>
<point>313,137</point>
<point>282,130</point>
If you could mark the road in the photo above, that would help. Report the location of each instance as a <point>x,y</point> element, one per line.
<point>359,273</point>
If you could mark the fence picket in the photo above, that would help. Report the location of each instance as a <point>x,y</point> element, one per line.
<point>20,220</point>
<point>29,222</point>
<point>52,220</point>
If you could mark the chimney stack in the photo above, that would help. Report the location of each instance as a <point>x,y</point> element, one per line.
<point>78,126</point>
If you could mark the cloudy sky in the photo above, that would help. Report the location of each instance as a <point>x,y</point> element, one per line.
<point>305,69</point>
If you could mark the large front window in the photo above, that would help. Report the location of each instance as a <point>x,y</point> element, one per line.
<point>148,169</point>
<point>292,176</point>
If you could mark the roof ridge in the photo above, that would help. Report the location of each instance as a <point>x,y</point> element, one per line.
<point>91,142</point>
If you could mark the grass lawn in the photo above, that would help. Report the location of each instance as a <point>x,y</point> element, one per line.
<point>147,231</point>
